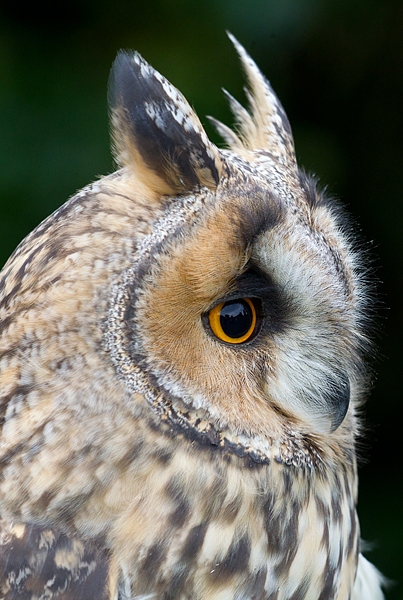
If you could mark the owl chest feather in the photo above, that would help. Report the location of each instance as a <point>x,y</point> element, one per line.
<point>214,527</point>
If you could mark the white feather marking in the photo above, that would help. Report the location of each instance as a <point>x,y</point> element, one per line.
<point>368,581</point>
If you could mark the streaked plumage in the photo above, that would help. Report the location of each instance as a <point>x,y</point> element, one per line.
<point>141,455</point>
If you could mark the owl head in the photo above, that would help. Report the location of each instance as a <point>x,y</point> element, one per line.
<point>214,293</point>
<point>241,314</point>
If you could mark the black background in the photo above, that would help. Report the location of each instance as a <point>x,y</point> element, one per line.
<point>337,66</point>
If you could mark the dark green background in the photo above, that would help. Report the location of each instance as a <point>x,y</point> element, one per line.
<point>337,66</point>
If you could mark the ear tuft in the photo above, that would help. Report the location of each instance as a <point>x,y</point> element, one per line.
<point>155,131</point>
<point>265,125</point>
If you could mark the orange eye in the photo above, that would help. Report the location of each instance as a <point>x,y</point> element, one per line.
<point>234,321</point>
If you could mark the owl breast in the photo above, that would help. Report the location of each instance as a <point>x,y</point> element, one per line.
<point>209,527</point>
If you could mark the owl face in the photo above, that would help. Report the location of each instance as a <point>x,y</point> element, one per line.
<point>245,298</point>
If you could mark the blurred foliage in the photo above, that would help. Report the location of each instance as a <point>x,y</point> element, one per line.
<point>337,66</point>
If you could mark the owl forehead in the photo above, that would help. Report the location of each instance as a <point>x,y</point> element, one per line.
<point>236,221</point>
<point>243,206</point>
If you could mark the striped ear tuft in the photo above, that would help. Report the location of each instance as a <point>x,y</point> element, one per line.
<point>155,131</point>
<point>264,126</point>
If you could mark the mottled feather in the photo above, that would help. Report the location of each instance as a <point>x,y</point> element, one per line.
<point>141,454</point>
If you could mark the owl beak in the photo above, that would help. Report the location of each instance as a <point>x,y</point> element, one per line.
<point>338,399</point>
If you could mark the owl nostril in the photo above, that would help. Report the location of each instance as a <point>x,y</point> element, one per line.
<point>338,398</point>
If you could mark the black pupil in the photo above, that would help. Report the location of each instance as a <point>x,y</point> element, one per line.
<point>236,318</point>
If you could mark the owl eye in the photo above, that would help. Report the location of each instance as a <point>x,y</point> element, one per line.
<point>235,321</point>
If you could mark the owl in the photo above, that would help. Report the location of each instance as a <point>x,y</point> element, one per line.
<point>181,368</point>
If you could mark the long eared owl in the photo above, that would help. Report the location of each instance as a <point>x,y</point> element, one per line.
<point>181,363</point>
